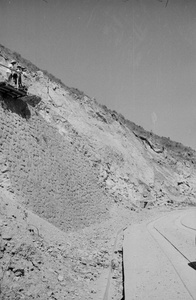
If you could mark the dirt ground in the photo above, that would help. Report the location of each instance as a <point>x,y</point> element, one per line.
<point>157,258</point>
<point>39,261</point>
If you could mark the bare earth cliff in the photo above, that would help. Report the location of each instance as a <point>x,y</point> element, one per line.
<point>73,174</point>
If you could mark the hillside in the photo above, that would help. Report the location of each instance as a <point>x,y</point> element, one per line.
<point>72,174</point>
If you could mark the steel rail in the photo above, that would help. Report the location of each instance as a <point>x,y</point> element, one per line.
<point>153,225</point>
<point>107,289</point>
<point>170,243</point>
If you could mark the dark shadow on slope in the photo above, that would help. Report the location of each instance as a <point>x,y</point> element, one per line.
<point>15,105</point>
<point>192,265</point>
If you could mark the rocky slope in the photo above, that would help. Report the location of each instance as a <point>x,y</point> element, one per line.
<point>80,169</point>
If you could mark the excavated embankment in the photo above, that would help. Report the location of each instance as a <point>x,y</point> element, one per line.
<point>87,172</point>
<point>51,177</point>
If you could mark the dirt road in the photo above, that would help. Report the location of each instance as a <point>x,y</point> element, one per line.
<point>160,257</point>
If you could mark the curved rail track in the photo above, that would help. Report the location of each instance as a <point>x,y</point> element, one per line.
<point>177,241</point>
<point>160,258</point>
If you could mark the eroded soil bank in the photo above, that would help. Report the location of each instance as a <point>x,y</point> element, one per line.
<point>73,174</point>
<point>39,261</point>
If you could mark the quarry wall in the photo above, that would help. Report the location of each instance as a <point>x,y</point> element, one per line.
<point>45,171</point>
<point>69,159</point>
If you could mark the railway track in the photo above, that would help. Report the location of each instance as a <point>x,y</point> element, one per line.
<point>177,241</point>
<point>160,258</point>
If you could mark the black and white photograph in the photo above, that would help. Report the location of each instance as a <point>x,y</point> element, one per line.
<point>97,150</point>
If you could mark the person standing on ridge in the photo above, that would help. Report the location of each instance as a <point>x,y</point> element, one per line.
<point>19,74</point>
<point>11,72</point>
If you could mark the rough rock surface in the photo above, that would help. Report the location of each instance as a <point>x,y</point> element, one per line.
<point>76,168</point>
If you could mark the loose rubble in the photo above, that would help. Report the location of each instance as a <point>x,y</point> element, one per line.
<point>73,174</point>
